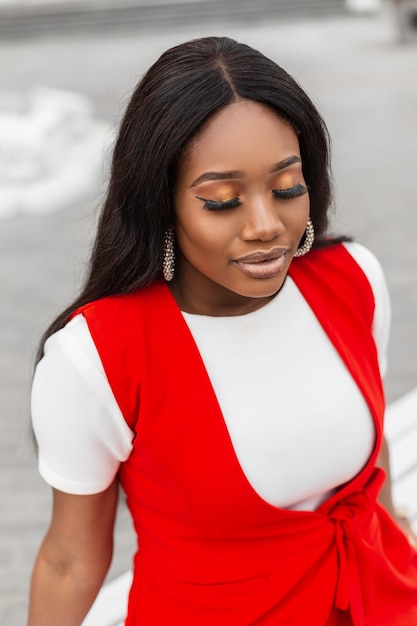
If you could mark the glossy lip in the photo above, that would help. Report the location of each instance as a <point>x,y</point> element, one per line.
<point>263,264</point>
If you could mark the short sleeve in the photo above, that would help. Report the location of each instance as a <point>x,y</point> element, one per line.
<point>382,315</point>
<point>81,433</point>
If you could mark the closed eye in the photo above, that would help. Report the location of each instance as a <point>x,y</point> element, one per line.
<point>288,194</point>
<point>213,205</point>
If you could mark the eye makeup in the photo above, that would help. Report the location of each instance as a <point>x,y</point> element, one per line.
<point>288,194</point>
<point>219,205</point>
<point>296,191</point>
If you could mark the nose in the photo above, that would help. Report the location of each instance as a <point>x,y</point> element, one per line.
<point>261,221</point>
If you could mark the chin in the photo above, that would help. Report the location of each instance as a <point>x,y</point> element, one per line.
<point>265,288</point>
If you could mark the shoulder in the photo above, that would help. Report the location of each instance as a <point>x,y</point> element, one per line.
<point>350,264</point>
<point>342,275</point>
<point>368,263</point>
<point>123,303</point>
<point>70,354</point>
<point>82,435</point>
<point>374,273</point>
<point>73,340</point>
<point>338,267</point>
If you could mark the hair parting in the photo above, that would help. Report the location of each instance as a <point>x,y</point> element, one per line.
<point>170,105</point>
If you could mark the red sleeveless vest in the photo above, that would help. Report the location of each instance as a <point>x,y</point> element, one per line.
<point>211,550</point>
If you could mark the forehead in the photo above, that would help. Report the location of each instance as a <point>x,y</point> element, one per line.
<point>241,135</point>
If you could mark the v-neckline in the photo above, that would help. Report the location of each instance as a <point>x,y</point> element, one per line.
<point>349,487</point>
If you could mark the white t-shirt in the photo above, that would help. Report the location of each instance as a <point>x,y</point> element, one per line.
<point>297,421</point>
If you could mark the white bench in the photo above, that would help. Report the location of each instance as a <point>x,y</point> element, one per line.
<point>109,608</point>
<point>401,432</point>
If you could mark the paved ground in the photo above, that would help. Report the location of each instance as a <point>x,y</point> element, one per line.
<point>366,85</point>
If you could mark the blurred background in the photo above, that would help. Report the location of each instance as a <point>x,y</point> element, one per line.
<point>67,69</point>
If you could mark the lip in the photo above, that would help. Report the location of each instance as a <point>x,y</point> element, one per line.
<point>263,264</point>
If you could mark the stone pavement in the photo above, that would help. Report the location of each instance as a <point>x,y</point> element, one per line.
<point>364,82</point>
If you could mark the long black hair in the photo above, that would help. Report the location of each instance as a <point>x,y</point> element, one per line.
<point>176,96</point>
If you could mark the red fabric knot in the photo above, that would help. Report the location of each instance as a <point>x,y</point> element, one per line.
<point>349,517</point>
<point>348,590</point>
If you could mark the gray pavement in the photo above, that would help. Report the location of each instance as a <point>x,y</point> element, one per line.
<point>364,82</point>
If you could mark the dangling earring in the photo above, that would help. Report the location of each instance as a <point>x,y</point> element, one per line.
<point>168,265</point>
<point>308,241</point>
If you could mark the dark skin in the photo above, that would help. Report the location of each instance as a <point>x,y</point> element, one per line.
<point>385,496</point>
<point>246,161</point>
<point>259,165</point>
<point>74,558</point>
<point>76,553</point>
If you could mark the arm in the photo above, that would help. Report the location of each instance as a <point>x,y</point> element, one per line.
<point>385,495</point>
<point>73,559</point>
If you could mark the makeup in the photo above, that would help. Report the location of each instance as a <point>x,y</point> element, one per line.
<point>263,264</point>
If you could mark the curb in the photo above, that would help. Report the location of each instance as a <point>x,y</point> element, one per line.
<point>67,17</point>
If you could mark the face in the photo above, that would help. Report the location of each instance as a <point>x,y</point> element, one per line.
<point>241,208</point>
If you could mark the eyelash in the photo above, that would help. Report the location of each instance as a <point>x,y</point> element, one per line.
<point>212,205</point>
<point>288,194</point>
<point>279,194</point>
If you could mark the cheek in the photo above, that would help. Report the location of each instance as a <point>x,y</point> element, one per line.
<point>304,211</point>
<point>204,231</point>
<point>197,238</point>
<point>295,214</point>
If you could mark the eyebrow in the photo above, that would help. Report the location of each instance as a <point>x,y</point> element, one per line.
<point>281,165</point>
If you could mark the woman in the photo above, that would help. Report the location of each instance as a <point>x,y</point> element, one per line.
<point>223,363</point>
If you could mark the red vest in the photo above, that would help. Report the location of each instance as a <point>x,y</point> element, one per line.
<point>211,550</point>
